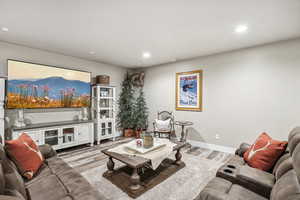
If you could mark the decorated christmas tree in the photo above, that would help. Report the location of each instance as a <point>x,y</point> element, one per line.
<point>140,112</point>
<point>125,118</point>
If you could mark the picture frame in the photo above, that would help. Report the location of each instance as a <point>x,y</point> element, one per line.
<point>189,90</point>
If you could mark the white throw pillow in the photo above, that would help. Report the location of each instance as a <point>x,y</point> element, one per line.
<point>163,124</point>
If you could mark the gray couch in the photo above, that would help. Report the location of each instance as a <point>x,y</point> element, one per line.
<point>237,181</point>
<point>54,181</point>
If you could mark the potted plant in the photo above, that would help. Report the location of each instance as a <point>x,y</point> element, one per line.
<point>140,114</point>
<point>125,118</point>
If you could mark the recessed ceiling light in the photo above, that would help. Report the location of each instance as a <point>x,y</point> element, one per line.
<point>92,52</point>
<point>4,29</point>
<point>146,55</point>
<point>241,29</point>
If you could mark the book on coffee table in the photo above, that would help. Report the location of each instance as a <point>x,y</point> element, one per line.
<point>140,149</point>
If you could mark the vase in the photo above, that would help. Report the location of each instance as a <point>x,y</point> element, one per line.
<point>148,140</point>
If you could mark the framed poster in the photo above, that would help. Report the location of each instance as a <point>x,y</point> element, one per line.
<point>189,90</point>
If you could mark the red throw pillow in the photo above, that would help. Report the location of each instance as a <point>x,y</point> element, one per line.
<point>26,155</point>
<point>264,152</point>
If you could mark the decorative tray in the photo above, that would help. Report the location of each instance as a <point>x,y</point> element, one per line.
<point>131,146</point>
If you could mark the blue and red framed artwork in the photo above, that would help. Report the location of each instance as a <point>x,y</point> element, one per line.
<point>189,90</point>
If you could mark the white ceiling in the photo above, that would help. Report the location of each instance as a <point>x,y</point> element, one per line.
<point>119,31</point>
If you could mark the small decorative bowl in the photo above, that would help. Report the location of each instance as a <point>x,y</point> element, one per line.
<point>139,143</point>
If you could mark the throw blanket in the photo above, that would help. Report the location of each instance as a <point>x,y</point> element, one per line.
<point>156,156</point>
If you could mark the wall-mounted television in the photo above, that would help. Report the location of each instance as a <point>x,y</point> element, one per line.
<point>31,85</point>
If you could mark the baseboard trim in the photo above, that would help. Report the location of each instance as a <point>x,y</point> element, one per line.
<point>216,147</point>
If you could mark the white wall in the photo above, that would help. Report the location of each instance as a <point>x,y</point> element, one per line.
<point>11,51</point>
<point>245,92</point>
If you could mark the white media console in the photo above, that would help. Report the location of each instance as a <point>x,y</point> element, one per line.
<point>58,134</point>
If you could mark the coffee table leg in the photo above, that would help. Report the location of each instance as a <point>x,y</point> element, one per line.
<point>110,165</point>
<point>135,180</point>
<point>178,157</point>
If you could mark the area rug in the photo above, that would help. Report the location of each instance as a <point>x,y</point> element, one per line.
<point>185,184</point>
<point>148,178</point>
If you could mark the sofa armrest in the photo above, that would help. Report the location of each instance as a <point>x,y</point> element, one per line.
<point>47,151</point>
<point>256,180</point>
<point>242,149</point>
<point>7,197</point>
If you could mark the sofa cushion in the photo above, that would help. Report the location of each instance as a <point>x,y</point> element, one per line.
<point>74,182</point>
<point>7,197</point>
<point>221,189</point>
<point>14,193</point>
<point>284,167</point>
<point>77,186</point>
<point>287,187</point>
<point>57,165</point>
<point>71,175</point>
<point>239,193</point>
<point>264,153</point>
<point>90,195</point>
<point>215,190</point>
<point>13,180</point>
<point>67,198</point>
<point>295,153</point>
<point>281,161</point>
<point>26,155</point>
<point>294,139</point>
<point>49,188</point>
<point>43,172</point>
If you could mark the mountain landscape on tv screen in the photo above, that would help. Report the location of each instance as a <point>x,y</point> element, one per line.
<point>47,92</point>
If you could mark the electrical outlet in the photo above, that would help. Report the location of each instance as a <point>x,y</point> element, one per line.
<point>217,136</point>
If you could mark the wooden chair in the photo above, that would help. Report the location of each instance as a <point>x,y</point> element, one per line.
<point>164,115</point>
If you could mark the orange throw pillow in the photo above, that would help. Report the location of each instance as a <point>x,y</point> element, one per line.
<point>264,152</point>
<point>25,154</point>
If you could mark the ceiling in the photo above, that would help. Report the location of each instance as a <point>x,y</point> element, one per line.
<point>119,31</point>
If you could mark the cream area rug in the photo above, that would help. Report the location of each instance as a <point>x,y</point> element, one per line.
<point>186,184</point>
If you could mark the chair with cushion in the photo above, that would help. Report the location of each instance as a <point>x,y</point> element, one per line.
<point>248,183</point>
<point>164,124</point>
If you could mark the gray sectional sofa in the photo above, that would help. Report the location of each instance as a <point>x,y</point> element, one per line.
<point>237,181</point>
<point>54,181</point>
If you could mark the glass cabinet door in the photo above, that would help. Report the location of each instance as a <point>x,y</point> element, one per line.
<point>106,114</point>
<point>51,137</point>
<point>109,128</point>
<point>106,92</point>
<point>103,129</point>
<point>106,103</point>
<point>68,135</point>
